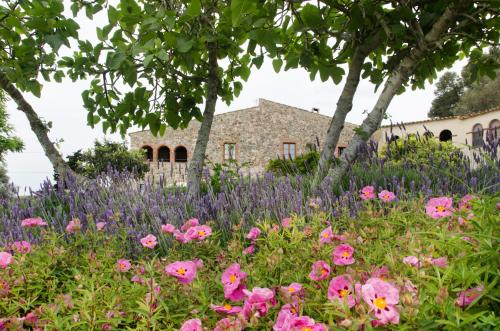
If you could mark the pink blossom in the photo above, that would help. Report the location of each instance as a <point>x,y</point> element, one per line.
<point>387,196</point>
<point>199,232</point>
<point>382,298</point>
<point>33,222</point>
<point>226,309</point>
<point>4,289</point>
<point>232,280</point>
<point>326,236</point>
<point>5,259</point>
<point>74,226</point>
<point>294,289</point>
<point>123,265</point>
<point>285,316</point>
<point>184,271</point>
<point>441,262</point>
<point>286,222</point>
<point>229,324</point>
<point>100,225</point>
<point>466,297</point>
<point>191,325</point>
<point>180,237</point>
<point>249,250</point>
<point>464,203</point>
<point>190,223</point>
<point>137,279</point>
<point>382,272</point>
<point>367,193</point>
<point>320,271</point>
<point>343,255</point>
<point>257,302</point>
<point>439,207</point>
<point>412,261</point>
<point>253,234</point>
<point>340,290</point>
<point>21,247</point>
<point>168,228</point>
<point>149,241</point>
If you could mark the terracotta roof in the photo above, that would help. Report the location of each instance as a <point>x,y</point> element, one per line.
<point>460,117</point>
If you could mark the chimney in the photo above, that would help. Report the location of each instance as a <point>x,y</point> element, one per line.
<point>315,110</point>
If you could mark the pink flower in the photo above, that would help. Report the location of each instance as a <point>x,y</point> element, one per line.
<point>149,241</point>
<point>382,298</point>
<point>412,261</point>
<point>382,272</point>
<point>226,309</point>
<point>294,289</point>
<point>326,236</point>
<point>21,247</point>
<point>320,271</point>
<point>439,207</point>
<point>168,228</point>
<point>232,280</point>
<point>387,196</point>
<point>367,193</point>
<point>180,237</point>
<point>441,262</point>
<point>73,226</point>
<point>229,324</point>
<point>123,265</point>
<point>191,325</point>
<point>257,302</point>
<point>5,259</point>
<point>464,203</point>
<point>184,271</point>
<point>100,225</point>
<point>340,290</point>
<point>253,234</point>
<point>342,255</point>
<point>190,223</point>
<point>137,279</point>
<point>285,316</point>
<point>466,297</point>
<point>33,222</point>
<point>249,250</point>
<point>286,222</point>
<point>4,289</point>
<point>199,232</point>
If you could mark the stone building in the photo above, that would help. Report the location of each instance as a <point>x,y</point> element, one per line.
<point>251,136</point>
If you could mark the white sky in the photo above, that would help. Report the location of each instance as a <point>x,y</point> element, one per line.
<point>61,104</point>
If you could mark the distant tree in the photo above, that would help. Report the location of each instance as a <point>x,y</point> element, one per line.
<point>449,90</point>
<point>92,162</point>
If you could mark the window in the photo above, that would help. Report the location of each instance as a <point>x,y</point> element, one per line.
<point>181,154</point>
<point>495,129</point>
<point>445,135</point>
<point>289,151</point>
<point>229,151</point>
<point>477,135</point>
<point>164,154</point>
<point>340,149</point>
<point>148,151</point>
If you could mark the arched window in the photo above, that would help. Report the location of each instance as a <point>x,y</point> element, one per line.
<point>495,128</point>
<point>149,152</point>
<point>181,154</point>
<point>164,154</point>
<point>445,135</point>
<point>477,135</point>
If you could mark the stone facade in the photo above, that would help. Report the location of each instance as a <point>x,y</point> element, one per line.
<point>259,134</point>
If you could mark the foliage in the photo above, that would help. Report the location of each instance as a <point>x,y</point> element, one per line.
<point>75,284</point>
<point>102,156</point>
<point>8,143</point>
<point>449,90</point>
<point>303,164</point>
<point>222,174</point>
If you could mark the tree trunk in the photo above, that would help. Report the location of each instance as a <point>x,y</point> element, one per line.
<point>393,84</point>
<point>196,164</point>
<point>37,126</point>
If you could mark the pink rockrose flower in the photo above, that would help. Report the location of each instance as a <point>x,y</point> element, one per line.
<point>249,250</point>
<point>229,324</point>
<point>343,255</point>
<point>5,259</point>
<point>123,265</point>
<point>367,193</point>
<point>341,290</point>
<point>21,247</point>
<point>226,309</point>
<point>320,271</point>
<point>180,237</point>
<point>382,272</point>
<point>137,279</point>
<point>292,290</point>
<point>4,289</point>
<point>199,232</point>
<point>465,202</point>
<point>253,234</point>
<point>257,302</point>
<point>100,225</point>
<point>232,279</point>
<point>149,241</point>
<point>326,236</point>
<point>412,261</point>
<point>168,228</point>
<point>184,271</point>
<point>466,297</point>
<point>387,196</point>
<point>286,222</point>
<point>439,207</point>
<point>191,325</point>
<point>190,223</point>
<point>306,323</point>
<point>33,222</point>
<point>74,226</point>
<point>441,262</point>
<point>382,298</point>
<point>285,316</point>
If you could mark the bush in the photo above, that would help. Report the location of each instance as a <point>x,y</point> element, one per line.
<point>303,164</point>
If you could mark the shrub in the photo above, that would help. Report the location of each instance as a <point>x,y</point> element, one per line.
<point>303,164</point>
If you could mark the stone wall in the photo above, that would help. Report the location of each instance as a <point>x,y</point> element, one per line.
<point>258,133</point>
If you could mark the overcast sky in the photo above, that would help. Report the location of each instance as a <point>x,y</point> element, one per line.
<point>61,104</point>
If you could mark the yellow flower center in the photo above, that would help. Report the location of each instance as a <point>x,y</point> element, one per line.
<point>380,303</point>
<point>440,208</point>
<point>228,306</point>
<point>293,310</point>
<point>345,254</point>
<point>291,289</point>
<point>181,271</point>
<point>306,328</point>
<point>324,272</point>
<point>1,286</point>
<point>325,235</point>
<point>386,196</point>
<point>233,278</point>
<point>122,266</point>
<point>343,293</point>
<point>201,233</point>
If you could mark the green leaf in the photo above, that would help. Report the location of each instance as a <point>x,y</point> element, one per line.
<point>183,45</point>
<point>311,15</point>
<point>241,8</point>
<point>194,8</point>
<point>113,15</point>
<point>55,41</point>
<point>257,61</point>
<point>277,63</point>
